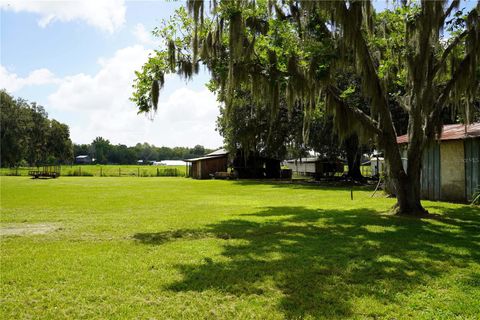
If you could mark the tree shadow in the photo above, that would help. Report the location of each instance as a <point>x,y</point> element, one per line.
<point>320,261</point>
<point>310,184</point>
<point>158,238</point>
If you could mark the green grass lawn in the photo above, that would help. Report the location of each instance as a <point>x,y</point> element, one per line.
<point>160,248</point>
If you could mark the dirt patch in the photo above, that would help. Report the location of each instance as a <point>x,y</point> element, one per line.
<point>11,229</point>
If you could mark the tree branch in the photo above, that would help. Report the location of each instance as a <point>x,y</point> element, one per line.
<point>362,117</point>
<point>442,98</point>
<point>447,51</point>
<point>371,83</point>
<point>453,5</point>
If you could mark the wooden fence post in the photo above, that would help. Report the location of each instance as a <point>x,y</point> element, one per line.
<point>119,172</point>
<point>138,172</point>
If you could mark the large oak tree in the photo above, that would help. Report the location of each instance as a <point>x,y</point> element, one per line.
<point>297,49</point>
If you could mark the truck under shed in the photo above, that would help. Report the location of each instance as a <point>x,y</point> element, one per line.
<point>451,167</point>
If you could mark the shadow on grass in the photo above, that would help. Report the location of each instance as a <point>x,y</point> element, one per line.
<point>310,184</point>
<point>318,262</point>
<point>158,238</point>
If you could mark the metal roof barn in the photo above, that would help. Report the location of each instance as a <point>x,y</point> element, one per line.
<point>450,167</point>
<point>204,167</point>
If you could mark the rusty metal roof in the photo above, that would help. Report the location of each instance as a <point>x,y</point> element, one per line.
<point>453,132</point>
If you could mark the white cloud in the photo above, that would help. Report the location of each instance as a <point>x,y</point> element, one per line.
<point>12,82</point>
<point>100,106</point>
<point>143,36</point>
<point>107,15</point>
<point>109,87</point>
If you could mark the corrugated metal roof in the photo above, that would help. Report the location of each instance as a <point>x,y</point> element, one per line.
<point>219,152</point>
<point>304,160</point>
<point>215,154</point>
<point>453,132</point>
<point>203,158</point>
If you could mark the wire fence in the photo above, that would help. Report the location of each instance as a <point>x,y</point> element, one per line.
<point>104,171</point>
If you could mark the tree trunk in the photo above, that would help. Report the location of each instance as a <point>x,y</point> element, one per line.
<point>407,187</point>
<point>408,197</point>
<point>354,157</point>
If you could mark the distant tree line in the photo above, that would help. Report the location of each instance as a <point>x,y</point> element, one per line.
<point>106,153</point>
<point>28,137</point>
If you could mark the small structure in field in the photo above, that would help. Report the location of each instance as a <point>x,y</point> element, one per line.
<point>205,167</point>
<point>172,163</point>
<point>168,163</point>
<point>377,165</point>
<point>302,166</point>
<point>451,167</point>
<point>315,167</point>
<point>45,172</point>
<point>83,159</point>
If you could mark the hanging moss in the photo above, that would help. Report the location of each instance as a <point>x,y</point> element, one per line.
<point>186,69</point>
<point>154,93</point>
<point>171,55</point>
<point>257,25</point>
<point>236,33</point>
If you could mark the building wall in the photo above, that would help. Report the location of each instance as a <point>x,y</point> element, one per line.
<point>431,177</point>
<point>210,166</point>
<point>306,168</point>
<point>202,169</point>
<point>83,160</point>
<point>452,170</point>
<point>472,166</point>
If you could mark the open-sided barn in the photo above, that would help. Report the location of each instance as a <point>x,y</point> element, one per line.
<point>303,166</point>
<point>315,166</point>
<point>204,167</point>
<point>451,167</point>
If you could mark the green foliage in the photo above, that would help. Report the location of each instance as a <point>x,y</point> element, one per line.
<point>102,147</point>
<point>296,50</point>
<point>104,152</point>
<point>14,123</point>
<point>177,56</point>
<point>247,127</point>
<point>27,135</point>
<point>476,197</point>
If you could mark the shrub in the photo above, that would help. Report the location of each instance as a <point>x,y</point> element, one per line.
<point>476,197</point>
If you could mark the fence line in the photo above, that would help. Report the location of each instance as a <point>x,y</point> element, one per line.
<point>103,171</point>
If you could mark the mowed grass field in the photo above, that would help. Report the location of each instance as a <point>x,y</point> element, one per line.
<point>176,248</point>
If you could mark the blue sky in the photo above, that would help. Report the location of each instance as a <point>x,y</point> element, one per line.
<point>77,59</point>
<point>81,70</point>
